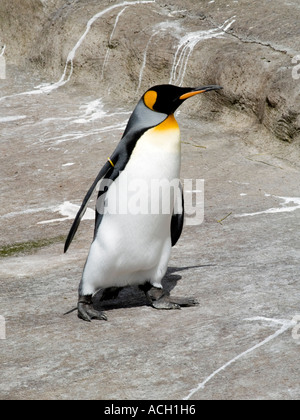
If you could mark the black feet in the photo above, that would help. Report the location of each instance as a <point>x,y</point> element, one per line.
<point>161,299</point>
<point>158,299</point>
<point>86,310</point>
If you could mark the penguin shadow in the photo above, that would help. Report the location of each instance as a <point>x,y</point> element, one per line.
<point>132,296</point>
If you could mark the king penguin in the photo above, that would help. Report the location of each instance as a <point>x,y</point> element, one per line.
<point>134,248</point>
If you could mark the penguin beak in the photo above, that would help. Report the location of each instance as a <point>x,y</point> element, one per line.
<point>201,89</point>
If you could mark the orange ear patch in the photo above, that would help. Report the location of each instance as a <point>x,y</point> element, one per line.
<point>150,99</point>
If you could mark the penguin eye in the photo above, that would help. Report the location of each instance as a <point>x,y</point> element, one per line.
<point>150,99</point>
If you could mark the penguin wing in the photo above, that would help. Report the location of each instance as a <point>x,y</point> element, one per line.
<point>109,171</point>
<point>84,204</point>
<point>178,216</point>
<point>111,175</point>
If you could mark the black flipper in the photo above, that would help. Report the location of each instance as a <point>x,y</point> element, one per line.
<point>178,217</point>
<point>84,204</point>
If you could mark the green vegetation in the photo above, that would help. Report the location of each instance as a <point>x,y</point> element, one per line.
<point>28,247</point>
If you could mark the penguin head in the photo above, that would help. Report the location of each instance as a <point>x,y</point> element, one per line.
<point>167,98</point>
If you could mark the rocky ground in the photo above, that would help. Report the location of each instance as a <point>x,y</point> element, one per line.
<point>74,71</point>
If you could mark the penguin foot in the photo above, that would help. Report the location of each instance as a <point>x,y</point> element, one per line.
<point>161,299</point>
<point>170,302</point>
<point>165,303</point>
<point>86,311</point>
<point>184,302</point>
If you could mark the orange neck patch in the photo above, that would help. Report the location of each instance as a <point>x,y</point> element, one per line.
<point>168,124</point>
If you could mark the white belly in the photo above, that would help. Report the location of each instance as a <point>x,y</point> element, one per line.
<point>133,241</point>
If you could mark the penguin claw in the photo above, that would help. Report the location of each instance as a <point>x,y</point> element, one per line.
<point>185,302</point>
<point>168,302</point>
<point>165,304</point>
<point>86,312</point>
<point>161,299</point>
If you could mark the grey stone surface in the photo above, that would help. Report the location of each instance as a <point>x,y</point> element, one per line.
<point>242,262</point>
<point>249,47</point>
